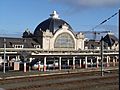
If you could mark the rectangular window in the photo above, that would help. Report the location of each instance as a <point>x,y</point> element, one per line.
<point>36,46</point>
<point>18,46</point>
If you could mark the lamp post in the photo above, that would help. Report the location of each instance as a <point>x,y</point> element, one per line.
<point>4,55</point>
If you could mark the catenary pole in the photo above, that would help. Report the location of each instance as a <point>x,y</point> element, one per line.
<point>119,38</point>
<point>4,55</point>
<point>102,45</point>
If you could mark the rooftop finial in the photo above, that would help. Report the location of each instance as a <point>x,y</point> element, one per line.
<point>54,15</point>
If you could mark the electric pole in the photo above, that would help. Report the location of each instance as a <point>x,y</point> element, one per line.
<point>4,55</point>
<point>102,47</point>
<point>119,37</point>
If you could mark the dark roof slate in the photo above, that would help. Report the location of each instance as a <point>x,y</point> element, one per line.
<point>27,42</point>
<point>110,39</point>
<point>51,24</point>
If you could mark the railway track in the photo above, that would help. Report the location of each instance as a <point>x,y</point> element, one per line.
<point>74,81</point>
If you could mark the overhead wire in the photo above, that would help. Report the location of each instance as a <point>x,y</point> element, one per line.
<point>105,20</point>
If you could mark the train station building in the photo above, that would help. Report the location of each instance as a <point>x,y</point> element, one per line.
<point>54,43</point>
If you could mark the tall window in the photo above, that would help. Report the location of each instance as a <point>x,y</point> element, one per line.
<point>64,40</point>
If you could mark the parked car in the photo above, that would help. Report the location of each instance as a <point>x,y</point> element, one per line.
<point>52,64</point>
<point>35,66</point>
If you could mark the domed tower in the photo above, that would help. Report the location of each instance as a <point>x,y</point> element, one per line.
<point>56,34</point>
<point>51,25</point>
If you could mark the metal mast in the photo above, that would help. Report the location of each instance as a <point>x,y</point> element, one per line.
<point>4,55</point>
<point>102,48</point>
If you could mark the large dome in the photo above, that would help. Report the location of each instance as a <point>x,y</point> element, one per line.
<point>52,24</point>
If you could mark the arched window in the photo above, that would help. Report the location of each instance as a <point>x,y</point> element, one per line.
<point>64,40</point>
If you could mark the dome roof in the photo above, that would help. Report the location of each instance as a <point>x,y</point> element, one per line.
<point>52,24</point>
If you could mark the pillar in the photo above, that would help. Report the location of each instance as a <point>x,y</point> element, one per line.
<point>80,63</point>
<point>91,62</point>
<point>97,62</point>
<point>16,58</point>
<point>39,66</point>
<point>68,62</point>
<point>73,62</point>
<point>8,58</point>
<point>10,63</point>
<point>107,61</point>
<point>44,64</point>
<point>114,61</point>
<point>59,63</point>
<point>24,66</point>
<point>1,60</point>
<point>12,60</point>
<point>86,62</point>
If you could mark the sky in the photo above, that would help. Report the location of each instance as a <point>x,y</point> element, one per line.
<point>83,15</point>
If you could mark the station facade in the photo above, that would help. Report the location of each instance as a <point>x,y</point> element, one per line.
<point>55,41</point>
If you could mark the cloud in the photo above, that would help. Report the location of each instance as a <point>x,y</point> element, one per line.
<point>76,6</point>
<point>89,3</point>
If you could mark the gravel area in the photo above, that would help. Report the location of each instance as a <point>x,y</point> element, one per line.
<point>70,81</point>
